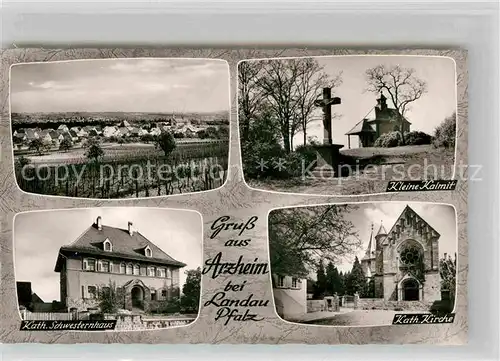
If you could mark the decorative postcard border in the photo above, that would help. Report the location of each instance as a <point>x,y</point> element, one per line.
<point>240,205</point>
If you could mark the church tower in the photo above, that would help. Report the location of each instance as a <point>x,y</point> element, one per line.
<point>379,261</point>
<point>368,260</point>
<point>382,102</point>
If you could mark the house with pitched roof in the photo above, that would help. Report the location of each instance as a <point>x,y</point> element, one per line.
<point>380,120</point>
<point>404,262</point>
<point>103,255</point>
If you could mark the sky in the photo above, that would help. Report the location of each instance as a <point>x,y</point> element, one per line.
<point>440,217</point>
<point>39,235</point>
<point>425,114</point>
<point>121,85</point>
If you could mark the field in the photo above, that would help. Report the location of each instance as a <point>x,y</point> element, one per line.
<point>421,162</point>
<point>126,171</point>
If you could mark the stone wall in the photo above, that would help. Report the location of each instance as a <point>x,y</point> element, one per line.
<point>381,304</point>
<point>139,322</point>
<point>315,305</point>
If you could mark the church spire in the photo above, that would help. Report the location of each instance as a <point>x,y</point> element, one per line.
<point>381,230</point>
<point>369,251</point>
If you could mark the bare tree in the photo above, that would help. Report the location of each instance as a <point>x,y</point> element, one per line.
<point>310,81</point>
<point>401,84</point>
<point>278,84</point>
<point>250,95</point>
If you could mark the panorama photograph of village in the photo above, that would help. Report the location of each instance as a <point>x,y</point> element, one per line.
<point>346,124</point>
<point>120,128</point>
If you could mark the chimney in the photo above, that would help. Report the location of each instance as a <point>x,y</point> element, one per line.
<point>99,223</point>
<point>130,228</point>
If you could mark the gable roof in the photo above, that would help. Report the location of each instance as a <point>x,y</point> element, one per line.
<point>125,246</point>
<point>361,127</point>
<point>381,230</point>
<point>403,214</point>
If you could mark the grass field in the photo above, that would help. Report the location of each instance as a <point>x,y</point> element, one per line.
<point>423,162</point>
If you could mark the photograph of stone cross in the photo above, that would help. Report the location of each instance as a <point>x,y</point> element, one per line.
<point>328,156</point>
<point>348,124</point>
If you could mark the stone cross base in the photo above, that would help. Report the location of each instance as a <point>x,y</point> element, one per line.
<point>328,157</point>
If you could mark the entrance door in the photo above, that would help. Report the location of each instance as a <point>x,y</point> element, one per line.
<point>137,297</point>
<point>410,290</point>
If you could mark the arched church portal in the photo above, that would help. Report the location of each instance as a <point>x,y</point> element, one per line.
<point>411,290</point>
<point>137,297</point>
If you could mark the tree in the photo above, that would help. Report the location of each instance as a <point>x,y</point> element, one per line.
<point>320,286</point>
<point>37,145</point>
<point>300,237</point>
<point>191,290</point>
<point>445,133</point>
<point>401,84</point>
<point>111,298</point>
<point>22,161</point>
<point>310,82</point>
<point>448,273</point>
<point>250,94</point>
<point>356,281</point>
<point>333,279</point>
<point>93,149</point>
<point>166,142</point>
<point>66,144</point>
<point>278,84</point>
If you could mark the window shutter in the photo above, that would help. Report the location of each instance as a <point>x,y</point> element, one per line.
<point>99,266</point>
<point>85,291</point>
<point>110,267</point>
<point>85,264</point>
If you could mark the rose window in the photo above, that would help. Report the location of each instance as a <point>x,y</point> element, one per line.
<point>410,256</point>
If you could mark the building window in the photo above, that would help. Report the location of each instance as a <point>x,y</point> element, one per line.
<point>122,267</point>
<point>153,295</point>
<point>130,269</point>
<point>136,269</point>
<point>103,266</point>
<point>108,247</point>
<point>148,252</point>
<point>410,256</point>
<point>151,271</point>
<point>295,283</point>
<point>143,271</point>
<point>92,290</point>
<point>169,273</point>
<point>89,264</point>
<point>161,272</point>
<point>281,281</point>
<point>164,294</point>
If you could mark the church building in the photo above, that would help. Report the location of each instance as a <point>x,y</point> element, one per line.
<point>404,262</point>
<point>380,120</point>
<point>104,255</point>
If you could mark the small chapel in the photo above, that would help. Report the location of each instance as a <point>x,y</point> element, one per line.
<point>404,262</point>
<point>380,120</point>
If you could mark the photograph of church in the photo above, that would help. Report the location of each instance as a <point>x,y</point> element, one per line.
<point>347,124</point>
<point>360,264</point>
<point>140,266</point>
<point>379,121</point>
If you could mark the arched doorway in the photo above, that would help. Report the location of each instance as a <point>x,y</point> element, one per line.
<point>410,290</point>
<point>137,294</point>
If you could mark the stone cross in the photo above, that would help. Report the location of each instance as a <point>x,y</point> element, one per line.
<point>326,104</point>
